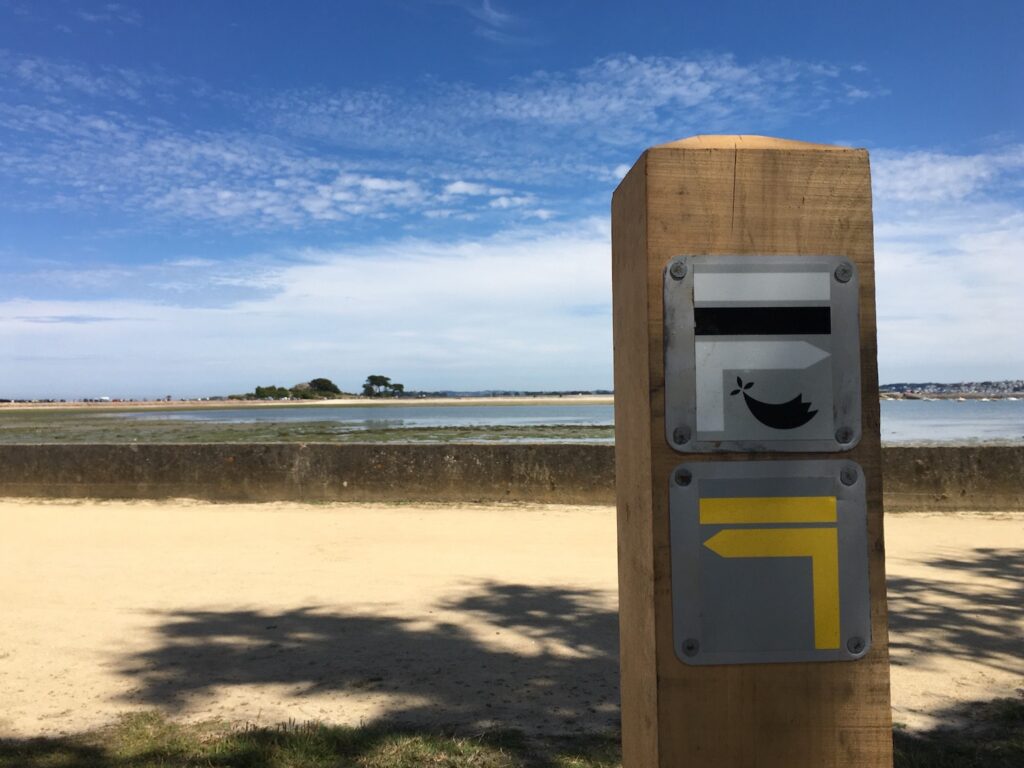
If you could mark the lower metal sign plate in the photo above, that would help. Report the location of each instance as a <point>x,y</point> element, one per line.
<point>769,562</point>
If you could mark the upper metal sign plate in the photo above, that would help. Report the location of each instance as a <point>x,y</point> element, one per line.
<point>762,353</point>
<point>769,562</point>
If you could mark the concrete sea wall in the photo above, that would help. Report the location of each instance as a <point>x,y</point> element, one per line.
<point>581,474</point>
<point>953,478</point>
<point>916,478</point>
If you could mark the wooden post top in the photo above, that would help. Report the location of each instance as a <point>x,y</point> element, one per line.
<point>749,141</point>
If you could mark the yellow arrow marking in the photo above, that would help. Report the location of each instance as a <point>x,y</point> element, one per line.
<point>819,544</point>
<point>774,509</point>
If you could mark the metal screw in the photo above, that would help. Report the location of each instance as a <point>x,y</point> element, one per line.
<point>855,645</point>
<point>690,647</point>
<point>683,477</point>
<point>678,269</point>
<point>681,435</point>
<point>844,435</point>
<point>844,272</point>
<point>848,475</point>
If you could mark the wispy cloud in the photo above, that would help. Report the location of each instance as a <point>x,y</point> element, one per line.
<point>74,319</point>
<point>512,201</point>
<point>440,149</point>
<point>559,129</point>
<point>57,78</point>
<point>486,12</point>
<point>90,160</point>
<point>460,187</point>
<point>493,23</point>
<point>291,201</point>
<point>936,176</point>
<point>616,101</point>
<point>108,12</point>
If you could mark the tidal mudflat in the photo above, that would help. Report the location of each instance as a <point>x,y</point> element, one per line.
<point>293,425</point>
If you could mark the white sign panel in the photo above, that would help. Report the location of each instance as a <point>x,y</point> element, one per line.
<point>762,353</point>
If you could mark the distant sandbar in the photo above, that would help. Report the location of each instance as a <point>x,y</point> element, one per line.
<point>343,402</point>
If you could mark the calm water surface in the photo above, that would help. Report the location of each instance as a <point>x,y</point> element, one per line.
<point>390,416</point>
<point>902,420</point>
<point>905,421</point>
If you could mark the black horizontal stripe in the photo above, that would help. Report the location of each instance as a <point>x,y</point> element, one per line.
<point>754,321</point>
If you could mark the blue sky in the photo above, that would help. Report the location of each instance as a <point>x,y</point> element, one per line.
<point>196,198</point>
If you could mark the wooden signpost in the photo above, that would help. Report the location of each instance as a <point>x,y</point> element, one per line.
<point>751,555</point>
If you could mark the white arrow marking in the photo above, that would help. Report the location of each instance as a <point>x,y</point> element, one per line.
<point>713,357</point>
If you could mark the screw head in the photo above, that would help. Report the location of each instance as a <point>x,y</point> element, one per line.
<point>681,435</point>
<point>691,647</point>
<point>848,475</point>
<point>844,272</point>
<point>844,435</point>
<point>678,269</point>
<point>683,476</point>
<point>855,645</point>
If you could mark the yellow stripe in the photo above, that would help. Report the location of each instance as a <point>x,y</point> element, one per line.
<point>772,509</point>
<point>819,544</point>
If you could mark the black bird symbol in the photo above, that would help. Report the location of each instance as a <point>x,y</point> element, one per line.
<point>789,415</point>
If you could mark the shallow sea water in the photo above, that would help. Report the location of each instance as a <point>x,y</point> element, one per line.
<point>903,421</point>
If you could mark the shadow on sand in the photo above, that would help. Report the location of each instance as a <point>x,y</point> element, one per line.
<point>443,678</point>
<point>955,615</point>
<point>445,674</point>
<point>439,674</point>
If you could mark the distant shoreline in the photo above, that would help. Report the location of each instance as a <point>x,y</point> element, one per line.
<point>950,396</point>
<point>365,402</point>
<point>344,402</point>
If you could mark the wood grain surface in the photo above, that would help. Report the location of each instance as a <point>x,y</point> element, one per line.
<point>754,196</point>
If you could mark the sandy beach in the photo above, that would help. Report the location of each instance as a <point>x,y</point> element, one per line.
<point>476,616</point>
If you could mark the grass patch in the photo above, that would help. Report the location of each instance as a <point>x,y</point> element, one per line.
<point>149,740</point>
<point>993,738</point>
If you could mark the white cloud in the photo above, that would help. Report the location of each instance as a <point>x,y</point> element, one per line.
<point>514,310</point>
<point>192,263</point>
<point>524,308</point>
<point>493,22</point>
<point>949,290</point>
<point>297,158</point>
<point>67,159</point>
<point>54,79</point>
<point>483,11</point>
<point>290,202</point>
<point>949,239</point>
<point>111,12</point>
<point>512,201</point>
<point>562,122</point>
<point>461,187</point>
<point>936,176</point>
<point>91,161</point>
